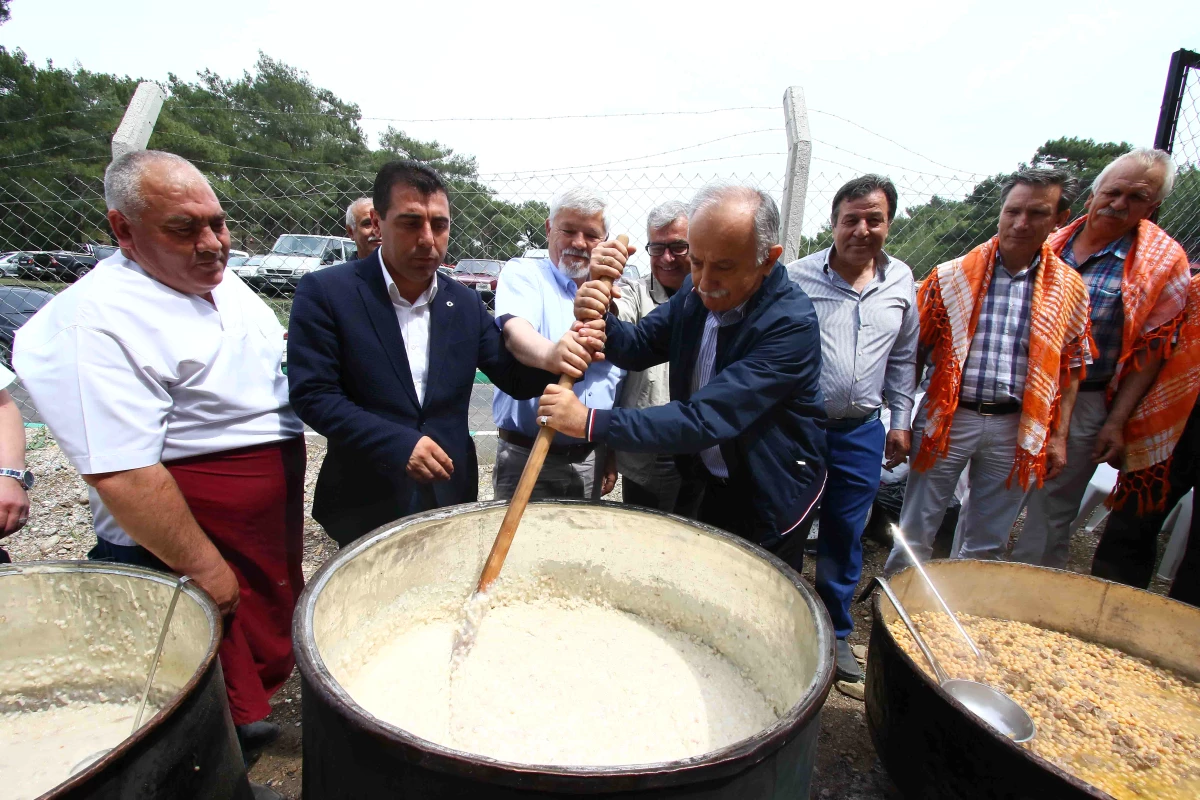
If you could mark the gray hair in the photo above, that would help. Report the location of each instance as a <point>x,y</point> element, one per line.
<point>662,216</point>
<point>1043,176</point>
<point>350,220</point>
<point>1149,158</point>
<point>581,200</point>
<point>766,216</point>
<point>123,179</point>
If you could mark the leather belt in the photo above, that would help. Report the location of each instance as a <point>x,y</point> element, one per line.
<point>849,423</point>
<point>1098,385</point>
<point>991,409</point>
<point>575,452</point>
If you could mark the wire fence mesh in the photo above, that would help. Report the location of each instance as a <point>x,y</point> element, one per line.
<point>287,216</point>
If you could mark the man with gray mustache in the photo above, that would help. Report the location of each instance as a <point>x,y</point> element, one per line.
<point>1137,280</point>
<point>535,307</point>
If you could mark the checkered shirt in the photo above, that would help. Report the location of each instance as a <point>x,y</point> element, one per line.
<point>998,359</point>
<point>1102,273</point>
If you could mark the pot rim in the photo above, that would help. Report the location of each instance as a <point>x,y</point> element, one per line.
<point>1012,747</point>
<point>726,761</point>
<point>150,726</point>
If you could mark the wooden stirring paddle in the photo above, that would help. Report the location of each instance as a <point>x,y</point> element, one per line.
<point>520,499</point>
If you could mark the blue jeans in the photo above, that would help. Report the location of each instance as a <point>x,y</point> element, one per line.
<point>855,457</point>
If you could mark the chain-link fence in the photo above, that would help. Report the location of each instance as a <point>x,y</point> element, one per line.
<point>1179,134</point>
<point>287,215</point>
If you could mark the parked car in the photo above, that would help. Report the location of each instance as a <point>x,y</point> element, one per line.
<point>17,305</point>
<point>9,264</point>
<point>100,251</point>
<point>56,266</point>
<point>296,255</point>
<point>479,274</point>
<point>537,254</point>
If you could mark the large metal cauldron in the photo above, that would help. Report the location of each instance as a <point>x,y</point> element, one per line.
<point>932,747</point>
<point>73,630</point>
<point>738,598</point>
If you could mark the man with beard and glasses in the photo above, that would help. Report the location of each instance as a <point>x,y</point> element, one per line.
<point>745,356</point>
<point>535,308</point>
<point>159,375</point>
<point>1137,278</point>
<point>362,227</point>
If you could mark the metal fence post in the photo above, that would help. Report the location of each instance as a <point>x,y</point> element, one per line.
<point>138,123</point>
<point>795,184</point>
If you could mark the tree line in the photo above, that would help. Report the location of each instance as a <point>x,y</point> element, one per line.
<point>286,156</point>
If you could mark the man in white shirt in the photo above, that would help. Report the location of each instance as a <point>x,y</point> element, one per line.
<point>15,480</point>
<point>159,375</point>
<point>535,307</point>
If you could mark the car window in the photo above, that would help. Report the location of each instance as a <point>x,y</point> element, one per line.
<point>293,245</point>
<point>478,266</point>
<point>351,251</point>
<point>235,261</point>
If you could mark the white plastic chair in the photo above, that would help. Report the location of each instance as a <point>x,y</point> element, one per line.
<point>1179,522</point>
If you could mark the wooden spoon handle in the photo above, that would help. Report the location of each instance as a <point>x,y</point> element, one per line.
<point>520,499</point>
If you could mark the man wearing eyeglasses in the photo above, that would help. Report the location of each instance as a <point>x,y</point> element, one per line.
<point>651,479</point>
<point>535,307</point>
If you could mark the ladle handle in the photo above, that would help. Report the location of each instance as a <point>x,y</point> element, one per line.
<point>524,490</point>
<point>898,535</point>
<point>162,638</point>
<point>938,672</point>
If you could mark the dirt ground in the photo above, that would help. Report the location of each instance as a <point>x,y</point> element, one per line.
<point>60,528</point>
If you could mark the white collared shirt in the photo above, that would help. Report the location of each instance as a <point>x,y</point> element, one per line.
<point>414,327</point>
<point>128,372</point>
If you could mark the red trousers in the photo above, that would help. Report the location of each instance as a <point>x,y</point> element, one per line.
<point>250,502</point>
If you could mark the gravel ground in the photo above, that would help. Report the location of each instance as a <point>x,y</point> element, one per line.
<point>60,528</point>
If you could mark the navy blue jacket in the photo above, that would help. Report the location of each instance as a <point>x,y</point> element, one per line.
<point>761,406</point>
<point>350,381</point>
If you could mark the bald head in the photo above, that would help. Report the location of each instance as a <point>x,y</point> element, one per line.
<point>732,232</point>
<point>125,177</point>
<point>167,220</point>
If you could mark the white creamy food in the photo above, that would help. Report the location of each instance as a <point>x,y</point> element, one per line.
<point>558,680</point>
<point>38,749</point>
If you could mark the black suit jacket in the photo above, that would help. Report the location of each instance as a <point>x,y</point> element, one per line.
<point>350,381</point>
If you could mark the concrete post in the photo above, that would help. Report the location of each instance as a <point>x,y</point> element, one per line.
<point>795,185</point>
<point>138,123</point>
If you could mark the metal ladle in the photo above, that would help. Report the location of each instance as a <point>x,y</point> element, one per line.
<point>991,705</point>
<point>137,720</point>
<point>898,535</point>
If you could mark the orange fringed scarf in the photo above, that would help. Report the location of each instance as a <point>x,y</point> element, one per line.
<point>1059,333</point>
<point>1154,293</point>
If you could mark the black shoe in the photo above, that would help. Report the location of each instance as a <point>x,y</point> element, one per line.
<point>847,665</point>
<point>261,791</point>
<point>255,736</point>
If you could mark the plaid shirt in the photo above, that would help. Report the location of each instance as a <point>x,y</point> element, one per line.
<point>999,356</point>
<point>1102,273</point>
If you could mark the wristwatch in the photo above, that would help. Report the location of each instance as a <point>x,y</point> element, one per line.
<point>24,477</point>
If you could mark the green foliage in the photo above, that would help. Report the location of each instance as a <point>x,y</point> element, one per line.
<point>284,156</point>
<point>4,12</point>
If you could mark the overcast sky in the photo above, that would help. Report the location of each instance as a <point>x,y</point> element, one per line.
<point>964,88</point>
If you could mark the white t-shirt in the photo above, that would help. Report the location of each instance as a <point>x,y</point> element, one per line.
<point>128,372</point>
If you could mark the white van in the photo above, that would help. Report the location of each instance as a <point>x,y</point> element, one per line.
<point>296,254</point>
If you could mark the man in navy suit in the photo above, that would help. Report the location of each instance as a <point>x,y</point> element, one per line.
<point>382,354</point>
<point>745,354</point>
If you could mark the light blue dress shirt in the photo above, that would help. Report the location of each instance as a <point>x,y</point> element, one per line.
<point>537,292</point>
<point>706,359</point>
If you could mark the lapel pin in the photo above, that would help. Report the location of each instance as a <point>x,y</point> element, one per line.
<point>449,304</point>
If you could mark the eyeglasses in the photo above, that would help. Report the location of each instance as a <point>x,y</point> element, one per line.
<point>677,248</point>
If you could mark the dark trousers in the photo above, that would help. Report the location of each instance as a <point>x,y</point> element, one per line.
<point>854,463</point>
<point>132,554</point>
<point>1128,547</point>
<point>726,505</point>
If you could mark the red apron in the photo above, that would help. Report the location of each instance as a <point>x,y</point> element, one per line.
<point>250,502</point>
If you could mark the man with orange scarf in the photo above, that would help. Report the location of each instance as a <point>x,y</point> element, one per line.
<point>1006,326</point>
<point>1137,278</point>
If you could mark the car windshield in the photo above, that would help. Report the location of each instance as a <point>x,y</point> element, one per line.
<point>292,245</point>
<point>236,261</point>
<point>476,266</point>
<point>254,261</point>
<point>103,251</point>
